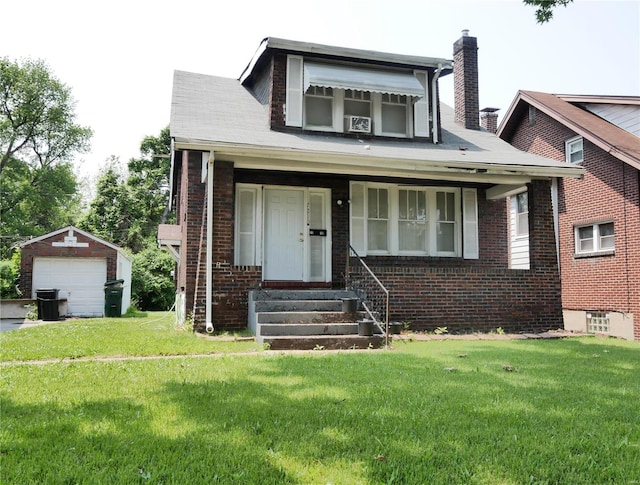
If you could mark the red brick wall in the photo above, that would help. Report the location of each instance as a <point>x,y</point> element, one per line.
<point>430,292</point>
<point>608,192</point>
<point>466,295</point>
<point>278,97</point>
<point>45,249</point>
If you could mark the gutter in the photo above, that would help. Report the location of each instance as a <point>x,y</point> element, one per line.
<point>257,155</point>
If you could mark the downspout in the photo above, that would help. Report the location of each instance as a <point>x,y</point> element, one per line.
<point>556,215</point>
<point>209,266</point>
<point>434,102</point>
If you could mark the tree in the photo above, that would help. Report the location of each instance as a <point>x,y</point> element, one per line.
<point>127,211</point>
<point>544,12</point>
<point>109,212</point>
<point>39,138</point>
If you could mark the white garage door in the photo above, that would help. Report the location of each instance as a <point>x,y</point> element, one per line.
<point>80,281</point>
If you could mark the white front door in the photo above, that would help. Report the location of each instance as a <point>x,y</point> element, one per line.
<point>284,235</point>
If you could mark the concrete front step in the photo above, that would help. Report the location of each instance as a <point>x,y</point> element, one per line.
<point>281,329</point>
<point>308,317</point>
<point>298,305</point>
<point>323,342</point>
<point>319,294</point>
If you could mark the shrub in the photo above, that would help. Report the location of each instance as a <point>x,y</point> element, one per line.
<point>152,287</point>
<point>9,276</point>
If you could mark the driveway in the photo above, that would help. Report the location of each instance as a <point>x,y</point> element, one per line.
<point>7,324</point>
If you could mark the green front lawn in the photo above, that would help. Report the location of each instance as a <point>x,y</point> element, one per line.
<point>153,333</point>
<point>437,412</point>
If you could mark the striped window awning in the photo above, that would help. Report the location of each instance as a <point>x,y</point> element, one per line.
<point>360,79</point>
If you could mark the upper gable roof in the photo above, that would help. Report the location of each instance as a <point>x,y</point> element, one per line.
<point>219,114</point>
<point>621,144</point>
<point>344,54</point>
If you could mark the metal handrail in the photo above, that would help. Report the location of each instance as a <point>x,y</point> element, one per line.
<point>370,305</point>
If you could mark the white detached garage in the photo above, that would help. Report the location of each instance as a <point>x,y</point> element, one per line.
<point>78,265</point>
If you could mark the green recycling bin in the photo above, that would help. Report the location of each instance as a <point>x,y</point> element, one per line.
<point>113,298</point>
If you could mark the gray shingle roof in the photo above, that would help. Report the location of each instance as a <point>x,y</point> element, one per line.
<point>209,112</point>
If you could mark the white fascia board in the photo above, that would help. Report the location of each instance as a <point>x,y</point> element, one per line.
<point>323,159</point>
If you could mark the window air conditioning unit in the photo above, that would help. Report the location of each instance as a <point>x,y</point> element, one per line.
<point>360,124</point>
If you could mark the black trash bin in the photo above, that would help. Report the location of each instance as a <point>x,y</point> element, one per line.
<point>113,298</point>
<point>47,304</point>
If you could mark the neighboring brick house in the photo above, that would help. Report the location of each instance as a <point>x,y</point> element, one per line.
<point>597,217</point>
<point>316,148</point>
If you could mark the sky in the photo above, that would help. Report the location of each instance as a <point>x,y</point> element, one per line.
<point>118,57</point>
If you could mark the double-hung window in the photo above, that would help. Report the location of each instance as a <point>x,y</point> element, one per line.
<point>318,103</point>
<point>574,150</point>
<point>595,238</point>
<point>388,219</point>
<point>412,220</point>
<point>378,219</point>
<point>522,214</point>
<point>394,120</point>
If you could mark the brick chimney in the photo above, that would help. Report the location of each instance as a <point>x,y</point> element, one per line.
<point>465,81</point>
<point>489,119</point>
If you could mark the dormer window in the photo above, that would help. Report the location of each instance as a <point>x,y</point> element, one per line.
<point>318,107</point>
<point>349,99</point>
<point>394,115</point>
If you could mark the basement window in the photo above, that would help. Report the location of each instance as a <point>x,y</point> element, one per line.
<point>597,322</point>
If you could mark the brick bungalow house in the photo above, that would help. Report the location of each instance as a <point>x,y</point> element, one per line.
<point>318,153</point>
<point>597,218</point>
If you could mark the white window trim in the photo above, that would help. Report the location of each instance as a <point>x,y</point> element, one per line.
<point>518,233</point>
<point>568,144</point>
<point>597,249</point>
<point>257,224</point>
<point>334,110</point>
<point>470,222</point>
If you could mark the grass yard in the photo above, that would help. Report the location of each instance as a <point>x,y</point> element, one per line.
<point>153,333</point>
<point>436,412</point>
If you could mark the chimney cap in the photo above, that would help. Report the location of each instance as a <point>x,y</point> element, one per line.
<point>465,32</point>
<point>489,110</point>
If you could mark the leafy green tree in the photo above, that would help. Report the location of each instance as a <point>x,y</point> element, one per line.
<point>148,181</point>
<point>39,138</point>
<point>544,10</point>
<point>152,286</point>
<point>9,275</point>
<point>126,211</point>
<point>109,212</point>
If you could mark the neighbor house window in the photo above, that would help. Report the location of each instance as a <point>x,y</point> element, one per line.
<point>595,238</point>
<point>597,322</point>
<point>522,214</point>
<point>573,150</point>
<point>388,219</point>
